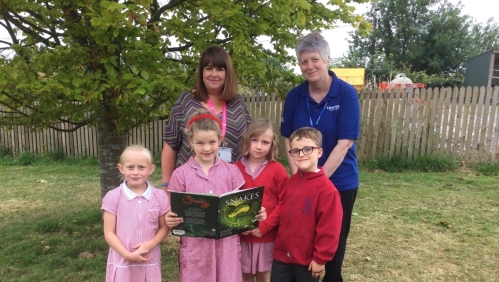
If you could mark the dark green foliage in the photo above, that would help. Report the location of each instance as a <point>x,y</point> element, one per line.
<point>26,158</point>
<point>58,155</point>
<point>391,164</point>
<point>488,170</point>
<point>157,158</point>
<point>433,164</point>
<point>428,40</point>
<point>4,151</point>
<point>398,163</point>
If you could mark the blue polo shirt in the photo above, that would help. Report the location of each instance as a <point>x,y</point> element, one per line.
<point>340,120</point>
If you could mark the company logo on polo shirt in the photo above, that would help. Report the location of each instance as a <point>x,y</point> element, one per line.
<point>333,108</point>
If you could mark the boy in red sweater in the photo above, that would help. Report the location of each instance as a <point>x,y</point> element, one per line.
<point>310,219</point>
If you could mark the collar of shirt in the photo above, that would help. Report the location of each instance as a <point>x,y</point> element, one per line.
<point>247,169</point>
<point>130,195</point>
<point>333,89</point>
<point>192,162</point>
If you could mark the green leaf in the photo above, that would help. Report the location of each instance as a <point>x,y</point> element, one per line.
<point>114,6</point>
<point>144,74</point>
<point>302,18</point>
<point>96,21</point>
<point>76,82</point>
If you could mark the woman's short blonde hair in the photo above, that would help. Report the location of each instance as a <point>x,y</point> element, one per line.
<point>256,128</point>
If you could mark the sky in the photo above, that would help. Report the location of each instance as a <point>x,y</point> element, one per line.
<point>480,10</point>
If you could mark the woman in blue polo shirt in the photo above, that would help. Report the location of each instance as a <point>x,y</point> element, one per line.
<point>330,105</point>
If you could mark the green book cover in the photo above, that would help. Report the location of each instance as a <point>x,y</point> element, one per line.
<point>211,216</point>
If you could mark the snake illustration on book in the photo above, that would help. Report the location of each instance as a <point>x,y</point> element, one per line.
<point>241,216</point>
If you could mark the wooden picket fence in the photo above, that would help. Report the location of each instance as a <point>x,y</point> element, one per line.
<point>460,122</point>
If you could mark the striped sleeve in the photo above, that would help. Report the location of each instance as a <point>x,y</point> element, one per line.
<point>174,134</point>
<point>238,119</point>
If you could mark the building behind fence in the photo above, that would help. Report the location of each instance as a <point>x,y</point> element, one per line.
<point>460,122</point>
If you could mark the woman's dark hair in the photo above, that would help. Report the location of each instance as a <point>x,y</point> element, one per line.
<point>217,57</point>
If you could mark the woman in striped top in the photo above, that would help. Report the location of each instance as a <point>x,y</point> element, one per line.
<point>216,91</point>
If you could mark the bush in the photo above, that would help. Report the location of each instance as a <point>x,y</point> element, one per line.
<point>434,164</point>
<point>488,170</point>
<point>390,164</point>
<point>58,155</point>
<point>26,158</point>
<point>5,152</point>
<point>426,163</point>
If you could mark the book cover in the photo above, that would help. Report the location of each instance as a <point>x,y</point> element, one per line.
<point>211,216</point>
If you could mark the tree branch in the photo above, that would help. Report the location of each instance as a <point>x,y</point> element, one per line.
<point>78,126</point>
<point>222,41</point>
<point>33,25</point>
<point>10,30</point>
<point>156,16</point>
<point>28,31</point>
<point>180,48</point>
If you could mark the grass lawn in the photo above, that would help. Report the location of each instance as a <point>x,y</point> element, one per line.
<point>407,226</point>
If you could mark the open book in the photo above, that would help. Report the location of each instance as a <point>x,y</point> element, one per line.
<point>212,216</point>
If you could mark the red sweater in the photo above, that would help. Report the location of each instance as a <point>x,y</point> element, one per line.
<point>310,221</point>
<point>274,178</point>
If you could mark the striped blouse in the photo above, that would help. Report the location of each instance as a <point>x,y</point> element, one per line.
<point>238,119</point>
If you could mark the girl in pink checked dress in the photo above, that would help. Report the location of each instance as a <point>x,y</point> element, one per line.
<point>259,167</point>
<point>134,221</point>
<point>201,259</point>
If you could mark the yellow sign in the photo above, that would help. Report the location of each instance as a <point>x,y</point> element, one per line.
<point>353,76</point>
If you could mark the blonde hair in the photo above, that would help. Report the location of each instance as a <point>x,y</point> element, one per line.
<point>135,149</point>
<point>307,132</point>
<point>202,119</point>
<point>255,129</point>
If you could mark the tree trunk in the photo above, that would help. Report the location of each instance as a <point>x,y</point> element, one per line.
<point>109,146</point>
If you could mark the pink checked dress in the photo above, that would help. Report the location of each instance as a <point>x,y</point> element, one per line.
<point>136,221</point>
<point>208,259</point>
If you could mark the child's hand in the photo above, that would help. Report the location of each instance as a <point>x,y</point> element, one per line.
<point>138,256</point>
<point>144,246</point>
<point>172,220</point>
<point>317,269</point>
<point>246,233</point>
<point>256,232</point>
<point>262,214</point>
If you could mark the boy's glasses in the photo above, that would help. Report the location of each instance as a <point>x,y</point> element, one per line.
<point>306,151</point>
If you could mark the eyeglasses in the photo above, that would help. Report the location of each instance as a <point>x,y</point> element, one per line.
<point>306,151</point>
